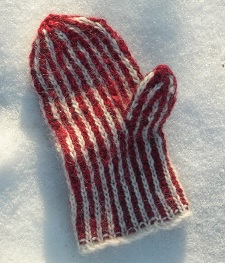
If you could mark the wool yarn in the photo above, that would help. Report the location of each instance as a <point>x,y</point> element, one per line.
<point>107,120</point>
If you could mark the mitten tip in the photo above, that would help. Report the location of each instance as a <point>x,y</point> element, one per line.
<point>52,21</point>
<point>49,23</point>
<point>163,69</point>
<point>162,73</point>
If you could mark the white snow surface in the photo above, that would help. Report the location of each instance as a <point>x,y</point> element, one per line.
<point>189,36</point>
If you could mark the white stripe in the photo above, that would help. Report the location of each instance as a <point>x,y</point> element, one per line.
<point>55,113</point>
<point>113,129</point>
<point>114,44</point>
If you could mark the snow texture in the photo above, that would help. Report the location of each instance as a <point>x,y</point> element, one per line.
<point>189,36</point>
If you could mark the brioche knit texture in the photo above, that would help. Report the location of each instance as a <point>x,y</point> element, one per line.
<point>107,120</point>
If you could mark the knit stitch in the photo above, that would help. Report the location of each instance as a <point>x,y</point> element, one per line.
<point>106,119</point>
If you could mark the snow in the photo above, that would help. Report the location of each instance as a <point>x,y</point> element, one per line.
<point>189,36</point>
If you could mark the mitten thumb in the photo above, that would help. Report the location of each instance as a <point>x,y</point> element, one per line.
<point>153,101</point>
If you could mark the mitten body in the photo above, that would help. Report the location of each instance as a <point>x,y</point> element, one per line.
<point>107,120</point>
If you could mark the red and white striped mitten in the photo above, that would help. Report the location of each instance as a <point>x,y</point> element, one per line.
<point>107,120</point>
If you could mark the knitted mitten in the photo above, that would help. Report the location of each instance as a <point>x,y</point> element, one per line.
<point>107,119</point>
